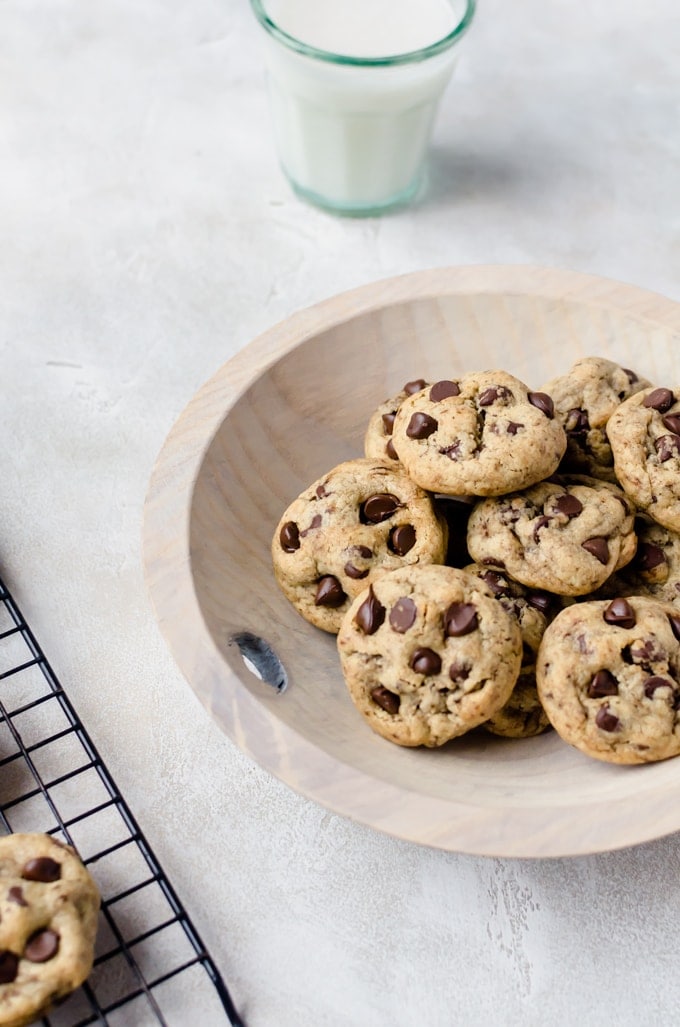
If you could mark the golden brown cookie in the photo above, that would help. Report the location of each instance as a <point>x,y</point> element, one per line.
<point>48,920</point>
<point>644,433</point>
<point>585,398</point>
<point>522,716</point>
<point>608,676</point>
<point>428,654</point>
<point>349,527</point>
<point>482,434</point>
<point>378,443</point>
<point>565,536</point>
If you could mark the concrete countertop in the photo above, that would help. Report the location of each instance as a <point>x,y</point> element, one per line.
<point>148,234</point>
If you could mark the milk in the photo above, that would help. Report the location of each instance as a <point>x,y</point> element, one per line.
<point>353,101</point>
<point>364,28</point>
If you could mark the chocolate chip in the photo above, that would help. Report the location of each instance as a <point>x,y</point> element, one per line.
<point>645,653</point>
<point>388,701</point>
<point>672,422</point>
<point>15,894</point>
<point>315,523</point>
<point>603,683</point>
<point>493,393</point>
<point>402,539</point>
<point>370,614</point>
<point>659,399</point>
<point>379,507</point>
<point>632,377</point>
<point>355,572</point>
<point>496,582</point>
<point>460,619</point>
<point>421,426</point>
<point>568,505</point>
<point>321,491</point>
<point>651,685</point>
<point>597,547</point>
<point>289,537</point>
<point>414,386</point>
<point>543,402</point>
<point>540,523</point>
<point>42,869</point>
<point>403,614</point>
<point>577,421</point>
<point>329,592</point>
<point>41,946</point>
<point>444,389</point>
<point>675,625</point>
<point>648,556</point>
<point>9,966</point>
<point>620,613</point>
<point>388,421</point>
<point>425,661</point>
<point>391,451</point>
<point>364,552</point>
<point>452,451</point>
<point>667,446</point>
<point>459,672</point>
<point>513,427</point>
<point>540,601</point>
<point>605,720</point>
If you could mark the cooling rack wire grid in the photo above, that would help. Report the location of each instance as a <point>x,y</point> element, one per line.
<point>151,966</point>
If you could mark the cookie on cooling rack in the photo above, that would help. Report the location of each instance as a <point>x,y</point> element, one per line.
<point>49,905</point>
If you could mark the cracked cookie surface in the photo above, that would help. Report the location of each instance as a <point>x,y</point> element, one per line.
<point>644,433</point>
<point>49,905</point>
<point>428,653</point>
<point>585,398</point>
<point>565,536</point>
<point>481,434</point>
<point>608,676</point>
<point>356,522</point>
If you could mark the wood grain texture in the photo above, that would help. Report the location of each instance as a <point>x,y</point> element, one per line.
<point>287,408</point>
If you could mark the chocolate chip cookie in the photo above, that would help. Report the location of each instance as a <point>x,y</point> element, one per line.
<point>378,443</point>
<point>585,398</point>
<point>48,921</point>
<point>428,653</point>
<point>644,433</point>
<point>482,434</point>
<point>349,527</point>
<point>522,716</point>
<point>655,568</point>
<point>609,678</point>
<point>564,536</point>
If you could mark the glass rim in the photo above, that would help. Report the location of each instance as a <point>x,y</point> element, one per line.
<point>410,57</point>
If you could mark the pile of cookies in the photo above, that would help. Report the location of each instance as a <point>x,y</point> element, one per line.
<point>504,558</point>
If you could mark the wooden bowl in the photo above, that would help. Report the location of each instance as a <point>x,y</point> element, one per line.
<point>286,409</point>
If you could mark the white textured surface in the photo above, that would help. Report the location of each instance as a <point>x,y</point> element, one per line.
<point>147,235</point>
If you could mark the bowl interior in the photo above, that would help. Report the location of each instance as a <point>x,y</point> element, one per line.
<point>306,413</point>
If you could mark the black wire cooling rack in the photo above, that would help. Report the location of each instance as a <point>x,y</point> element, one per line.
<point>151,966</point>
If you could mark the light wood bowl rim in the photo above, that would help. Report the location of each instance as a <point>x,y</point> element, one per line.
<point>432,821</point>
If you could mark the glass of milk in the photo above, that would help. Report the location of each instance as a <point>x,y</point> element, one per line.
<point>354,88</point>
